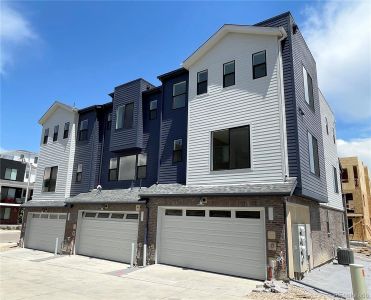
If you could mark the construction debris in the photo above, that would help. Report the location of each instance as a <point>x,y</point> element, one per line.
<point>273,286</point>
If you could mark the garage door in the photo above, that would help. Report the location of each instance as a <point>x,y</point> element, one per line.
<point>43,229</point>
<point>107,235</point>
<point>228,241</point>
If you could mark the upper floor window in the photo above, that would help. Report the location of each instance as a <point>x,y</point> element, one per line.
<point>50,179</point>
<point>313,154</point>
<point>153,109</point>
<point>231,148</point>
<point>177,150</point>
<point>109,121</point>
<point>355,172</point>
<point>55,133</point>
<point>259,64</point>
<point>336,185</point>
<point>202,82</point>
<point>127,167</point>
<point>179,94</point>
<point>142,166</point>
<point>66,130</point>
<point>35,160</point>
<point>10,174</point>
<point>344,175</point>
<point>228,74</point>
<point>79,173</point>
<point>46,135</point>
<point>125,116</point>
<point>83,130</point>
<point>113,169</point>
<point>308,88</point>
<point>27,174</point>
<point>326,124</point>
<point>333,135</point>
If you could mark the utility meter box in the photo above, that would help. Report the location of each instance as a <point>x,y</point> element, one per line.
<point>300,248</point>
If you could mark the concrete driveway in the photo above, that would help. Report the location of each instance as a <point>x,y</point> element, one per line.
<point>30,274</point>
<point>8,239</point>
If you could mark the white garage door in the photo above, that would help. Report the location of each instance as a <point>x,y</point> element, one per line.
<point>43,229</point>
<point>107,235</point>
<point>228,241</point>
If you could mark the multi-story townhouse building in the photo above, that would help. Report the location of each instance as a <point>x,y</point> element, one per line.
<point>222,167</point>
<point>17,178</point>
<point>356,193</point>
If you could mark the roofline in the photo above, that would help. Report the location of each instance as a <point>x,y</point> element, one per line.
<point>168,75</point>
<point>215,194</point>
<point>231,28</point>
<point>132,81</point>
<point>154,90</point>
<point>285,14</point>
<point>104,202</point>
<point>45,116</point>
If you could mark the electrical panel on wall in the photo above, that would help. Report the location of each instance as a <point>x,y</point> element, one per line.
<point>300,248</point>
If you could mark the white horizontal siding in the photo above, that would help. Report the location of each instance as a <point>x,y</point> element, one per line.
<point>331,156</point>
<point>60,153</point>
<point>248,102</point>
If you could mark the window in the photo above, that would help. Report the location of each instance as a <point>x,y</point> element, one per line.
<point>248,214</point>
<point>89,214</point>
<point>177,150</point>
<point>326,122</point>
<point>103,215</point>
<point>50,179</point>
<point>132,216</point>
<point>55,134</point>
<point>10,193</point>
<point>179,94</point>
<point>355,172</point>
<point>153,110</point>
<point>109,121</point>
<point>308,88</point>
<point>313,154</point>
<point>27,174</point>
<point>344,175</point>
<point>348,196</point>
<point>113,170</point>
<point>79,173</point>
<point>117,216</point>
<point>228,74</point>
<point>328,222</point>
<point>46,135</point>
<point>336,185</point>
<point>259,64</point>
<point>333,135</point>
<point>125,116</point>
<point>83,131</point>
<point>35,160</point>
<point>173,212</point>
<point>127,167</point>
<point>202,82</point>
<point>10,174</point>
<point>220,213</point>
<point>350,226</point>
<point>142,166</point>
<point>231,149</point>
<point>5,213</point>
<point>195,213</point>
<point>66,130</point>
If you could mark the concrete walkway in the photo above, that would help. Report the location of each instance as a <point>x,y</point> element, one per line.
<point>30,274</point>
<point>336,278</point>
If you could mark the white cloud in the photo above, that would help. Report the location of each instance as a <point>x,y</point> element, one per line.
<point>356,147</point>
<point>339,36</point>
<point>15,31</point>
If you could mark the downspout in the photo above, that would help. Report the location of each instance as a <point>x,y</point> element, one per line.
<point>102,149</point>
<point>344,207</point>
<point>286,240</point>
<point>160,133</point>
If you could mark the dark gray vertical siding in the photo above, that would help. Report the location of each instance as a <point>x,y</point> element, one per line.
<point>173,126</point>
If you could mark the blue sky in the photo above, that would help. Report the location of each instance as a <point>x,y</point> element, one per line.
<point>76,52</point>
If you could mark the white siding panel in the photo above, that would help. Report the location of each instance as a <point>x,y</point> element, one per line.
<point>249,102</point>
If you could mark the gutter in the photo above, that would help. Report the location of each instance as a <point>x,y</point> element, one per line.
<point>106,202</point>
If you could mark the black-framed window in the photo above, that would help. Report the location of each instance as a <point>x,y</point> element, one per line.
<point>173,212</point>
<point>113,169</point>
<point>127,166</point>
<point>10,174</point>
<point>326,124</point>
<point>355,172</point>
<point>153,109</point>
<point>344,175</point>
<point>248,214</point>
<point>220,213</point>
<point>313,154</point>
<point>202,77</point>
<point>231,148</point>
<point>229,74</point>
<point>142,166</point>
<point>83,130</point>
<point>66,130</point>
<point>328,222</point>
<point>177,150</point>
<point>79,173</point>
<point>195,213</point>
<point>109,121</point>
<point>336,185</point>
<point>50,179</point>
<point>125,116</point>
<point>46,135</point>
<point>55,133</point>
<point>259,64</point>
<point>179,94</point>
<point>333,135</point>
<point>308,88</point>
<point>35,160</point>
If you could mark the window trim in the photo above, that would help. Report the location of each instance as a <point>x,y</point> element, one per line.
<point>174,96</point>
<point>109,121</point>
<point>143,166</point>
<point>180,151</point>
<point>66,131</point>
<point>50,175</point>
<point>200,82</point>
<point>11,172</point>
<point>46,136</point>
<point>306,90</point>
<point>234,74</point>
<point>55,133</point>
<point>317,174</point>
<point>336,181</point>
<point>258,65</point>
<point>78,178</point>
<point>153,110</point>
<point>114,169</point>
<point>83,131</point>
<point>124,117</point>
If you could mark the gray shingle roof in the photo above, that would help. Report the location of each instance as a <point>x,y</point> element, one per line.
<point>274,188</point>
<point>43,203</point>
<point>108,196</point>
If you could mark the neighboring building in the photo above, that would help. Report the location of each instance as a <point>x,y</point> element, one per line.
<point>17,175</point>
<point>224,167</point>
<point>356,192</point>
